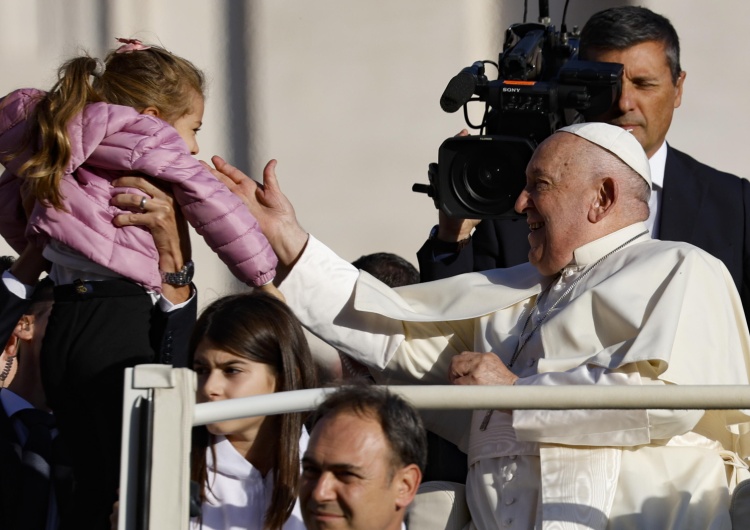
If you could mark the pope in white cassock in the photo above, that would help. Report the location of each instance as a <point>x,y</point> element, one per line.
<point>599,303</point>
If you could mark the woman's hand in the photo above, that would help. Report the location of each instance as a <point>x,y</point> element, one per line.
<point>160,214</point>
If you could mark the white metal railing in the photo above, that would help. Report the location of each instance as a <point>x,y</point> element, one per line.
<point>498,397</point>
<point>168,396</point>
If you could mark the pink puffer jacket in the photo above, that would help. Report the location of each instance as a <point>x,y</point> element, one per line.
<point>109,141</point>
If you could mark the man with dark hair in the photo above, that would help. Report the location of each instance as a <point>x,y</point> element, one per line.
<point>391,269</point>
<point>364,461</point>
<point>25,271</point>
<point>37,482</point>
<point>690,202</point>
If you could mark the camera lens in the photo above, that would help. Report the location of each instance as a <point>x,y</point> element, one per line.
<point>488,174</point>
<point>484,184</point>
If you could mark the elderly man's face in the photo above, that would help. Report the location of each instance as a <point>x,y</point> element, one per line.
<point>649,95</point>
<point>556,200</point>
<point>348,478</point>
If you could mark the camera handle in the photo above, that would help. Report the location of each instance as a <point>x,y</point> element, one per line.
<point>422,188</point>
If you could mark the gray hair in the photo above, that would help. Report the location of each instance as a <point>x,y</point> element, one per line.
<point>635,190</point>
<point>619,28</point>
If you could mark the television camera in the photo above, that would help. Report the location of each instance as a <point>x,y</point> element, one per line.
<point>541,86</point>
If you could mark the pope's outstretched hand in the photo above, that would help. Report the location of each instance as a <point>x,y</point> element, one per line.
<point>272,209</point>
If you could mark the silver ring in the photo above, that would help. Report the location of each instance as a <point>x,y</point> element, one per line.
<point>142,206</point>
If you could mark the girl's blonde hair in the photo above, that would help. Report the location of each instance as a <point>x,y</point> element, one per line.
<point>147,77</point>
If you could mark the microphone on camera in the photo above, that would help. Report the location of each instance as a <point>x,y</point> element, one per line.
<point>462,87</point>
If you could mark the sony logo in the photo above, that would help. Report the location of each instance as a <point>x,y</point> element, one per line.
<point>505,89</point>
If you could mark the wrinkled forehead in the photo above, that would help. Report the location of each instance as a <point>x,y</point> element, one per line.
<point>557,155</point>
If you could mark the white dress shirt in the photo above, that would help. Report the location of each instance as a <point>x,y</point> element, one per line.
<point>657,163</point>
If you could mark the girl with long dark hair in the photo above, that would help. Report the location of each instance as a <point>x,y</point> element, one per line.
<point>248,469</point>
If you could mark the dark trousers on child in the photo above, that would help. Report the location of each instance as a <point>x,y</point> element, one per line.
<point>95,331</point>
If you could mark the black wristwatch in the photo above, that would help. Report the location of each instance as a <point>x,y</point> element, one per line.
<point>180,278</point>
<point>446,246</point>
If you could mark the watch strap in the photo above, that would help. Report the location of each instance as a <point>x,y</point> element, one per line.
<point>180,278</point>
<point>446,246</point>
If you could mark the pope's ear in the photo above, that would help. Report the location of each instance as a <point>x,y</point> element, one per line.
<point>606,197</point>
<point>11,346</point>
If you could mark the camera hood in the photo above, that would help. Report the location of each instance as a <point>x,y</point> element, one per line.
<point>480,177</point>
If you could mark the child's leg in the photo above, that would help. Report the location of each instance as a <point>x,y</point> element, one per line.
<point>91,338</point>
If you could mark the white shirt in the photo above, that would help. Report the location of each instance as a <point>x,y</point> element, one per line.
<point>238,495</point>
<point>657,163</point>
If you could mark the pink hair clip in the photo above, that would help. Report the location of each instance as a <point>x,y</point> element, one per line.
<point>130,45</point>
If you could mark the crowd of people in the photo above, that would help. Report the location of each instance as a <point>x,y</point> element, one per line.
<point>629,269</point>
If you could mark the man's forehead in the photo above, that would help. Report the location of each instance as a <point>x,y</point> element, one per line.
<point>639,59</point>
<point>613,140</point>
<point>552,154</point>
<point>593,52</point>
<point>346,438</point>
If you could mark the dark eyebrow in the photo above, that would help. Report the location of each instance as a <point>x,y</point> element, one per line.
<point>332,467</point>
<point>644,79</point>
<point>345,467</point>
<point>233,362</point>
<point>308,460</point>
<point>228,364</point>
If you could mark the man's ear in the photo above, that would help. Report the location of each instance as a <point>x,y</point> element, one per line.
<point>24,330</point>
<point>606,197</point>
<point>11,346</point>
<point>152,111</point>
<point>678,89</point>
<point>408,479</point>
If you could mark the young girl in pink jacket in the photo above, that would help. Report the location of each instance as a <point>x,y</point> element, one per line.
<point>136,112</point>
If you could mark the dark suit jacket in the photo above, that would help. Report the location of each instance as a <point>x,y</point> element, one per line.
<point>171,331</point>
<point>700,205</point>
<point>11,502</point>
<point>10,463</point>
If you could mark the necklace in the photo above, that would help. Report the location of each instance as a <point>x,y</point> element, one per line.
<point>522,344</point>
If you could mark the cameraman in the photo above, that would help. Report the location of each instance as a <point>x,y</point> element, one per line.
<point>690,202</point>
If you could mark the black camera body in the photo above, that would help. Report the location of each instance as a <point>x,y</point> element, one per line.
<point>541,87</point>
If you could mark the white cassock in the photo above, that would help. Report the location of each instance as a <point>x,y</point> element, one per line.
<point>654,312</point>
